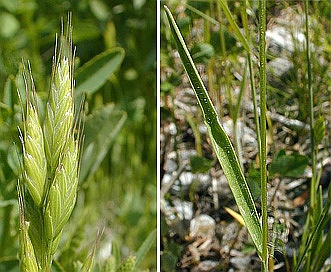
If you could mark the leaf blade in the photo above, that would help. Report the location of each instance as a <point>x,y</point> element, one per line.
<point>145,247</point>
<point>220,141</point>
<point>93,74</point>
<point>101,128</point>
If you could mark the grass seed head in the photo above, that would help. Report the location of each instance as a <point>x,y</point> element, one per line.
<point>51,163</point>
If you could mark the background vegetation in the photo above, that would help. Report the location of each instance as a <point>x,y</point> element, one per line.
<point>120,195</point>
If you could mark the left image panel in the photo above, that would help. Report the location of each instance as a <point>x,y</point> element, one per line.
<point>78,145</point>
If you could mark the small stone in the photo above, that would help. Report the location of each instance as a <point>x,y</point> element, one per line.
<point>202,226</point>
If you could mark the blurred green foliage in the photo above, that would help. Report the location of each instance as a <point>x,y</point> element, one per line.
<point>119,195</point>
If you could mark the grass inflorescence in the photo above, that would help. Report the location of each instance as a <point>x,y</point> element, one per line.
<point>51,149</point>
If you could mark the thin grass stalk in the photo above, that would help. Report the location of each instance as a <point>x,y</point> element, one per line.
<point>245,43</point>
<point>232,111</point>
<point>196,133</point>
<point>226,75</point>
<point>252,81</point>
<point>237,141</point>
<point>235,27</point>
<point>203,15</point>
<point>241,94</point>
<point>254,99</point>
<point>263,151</point>
<point>304,253</point>
<point>218,101</point>
<point>313,187</point>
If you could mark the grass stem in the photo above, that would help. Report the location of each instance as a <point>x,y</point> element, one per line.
<point>251,77</point>
<point>263,150</point>
<point>311,112</point>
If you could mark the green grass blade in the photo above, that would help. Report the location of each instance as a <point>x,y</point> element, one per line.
<point>235,27</point>
<point>324,253</point>
<point>144,248</point>
<point>203,15</point>
<point>317,230</point>
<point>93,74</point>
<point>221,142</point>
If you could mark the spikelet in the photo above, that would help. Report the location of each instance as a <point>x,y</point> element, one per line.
<point>60,107</point>
<point>34,160</point>
<point>62,193</point>
<point>28,260</point>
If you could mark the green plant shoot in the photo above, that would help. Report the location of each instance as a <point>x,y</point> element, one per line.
<point>221,143</point>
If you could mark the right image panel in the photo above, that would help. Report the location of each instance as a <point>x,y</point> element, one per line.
<point>245,156</point>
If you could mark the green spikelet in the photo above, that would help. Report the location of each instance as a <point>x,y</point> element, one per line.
<point>62,193</point>
<point>27,256</point>
<point>60,108</point>
<point>28,261</point>
<point>34,159</point>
